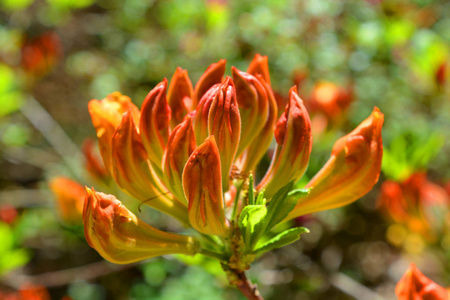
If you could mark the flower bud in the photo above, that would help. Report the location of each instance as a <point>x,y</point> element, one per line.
<point>133,173</point>
<point>294,141</point>
<point>106,115</point>
<point>154,123</point>
<point>179,147</point>
<point>70,197</point>
<point>260,65</point>
<point>351,171</point>
<point>201,117</point>
<point>120,237</point>
<point>213,75</point>
<point>202,185</point>
<point>224,123</point>
<point>180,96</point>
<point>249,159</point>
<point>253,106</point>
<point>414,285</point>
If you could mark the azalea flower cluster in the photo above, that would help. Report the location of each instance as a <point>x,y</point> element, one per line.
<point>192,152</point>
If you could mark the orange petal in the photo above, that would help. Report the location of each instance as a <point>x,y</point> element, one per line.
<point>70,197</point>
<point>94,166</point>
<point>120,237</point>
<point>180,96</point>
<point>253,101</point>
<point>249,159</point>
<point>351,171</point>
<point>180,146</point>
<point>414,285</point>
<point>154,122</point>
<point>106,115</point>
<point>201,116</point>
<point>260,65</point>
<point>224,123</point>
<point>213,74</point>
<point>202,185</point>
<point>133,173</point>
<point>294,141</point>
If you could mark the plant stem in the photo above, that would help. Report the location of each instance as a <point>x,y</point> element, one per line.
<point>247,288</point>
<point>212,254</point>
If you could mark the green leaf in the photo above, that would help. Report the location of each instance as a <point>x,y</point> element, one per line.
<point>280,206</point>
<point>251,223</point>
<point>285,238</point>
<point>260,200</point>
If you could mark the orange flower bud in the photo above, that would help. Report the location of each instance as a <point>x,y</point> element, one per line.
<point>294,141</point>
<point>201,117</point>
<point>415,286</point>
<point>249,159</point>
<point>120,237</point>
<point>213,74</point>
<point>350,173</point>
<point>154,123</point>
<point>202,185</point>
<point>133,173</point>
<point>260,65</point>
<point>180,146</point>
<point>106,115</point>
<point>224,123</point>
<point>70,197</point>
<point>180,96</point>
<point>253,106</point>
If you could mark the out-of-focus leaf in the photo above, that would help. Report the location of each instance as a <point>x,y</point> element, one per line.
<point>15,4</point>
<point>10,97</point>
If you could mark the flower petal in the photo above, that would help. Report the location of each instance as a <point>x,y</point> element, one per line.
<point>180,146</point>
<point>133,173</point>
<point>351,171</point>
<point>180,96</point>
<point>224,123</point>
<point>252,99</point>
<point>213,74</point>
<point>414,285</point>
<point>154,123</point>
<point>202,185</point>
<point>106,115</point>
<point>70,196</point>
<point>120,237</point>
<point>249,159</point>
<point>260,65</point>
<point>294,141</point>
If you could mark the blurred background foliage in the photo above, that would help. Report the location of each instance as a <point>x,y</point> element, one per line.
<point>56,55</point>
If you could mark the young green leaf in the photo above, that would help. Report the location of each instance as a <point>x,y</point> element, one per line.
<point>251,223</point>
<point>280,206</point>
<point>284,238</point>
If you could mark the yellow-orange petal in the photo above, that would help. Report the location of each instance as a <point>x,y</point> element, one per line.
<point>253,104</point>
<point>154,123</point>
<point>224,123</point>
<point>180,146</point>
<point>202,185</point>
<point>294,141</point>
<point>213,75</point>
<point>180,96</point>
<point>70,198</point>
<point>414,285</point>
<point>351,171</point>
<point>106,115</point>
<point>120,237</point>
<point>133,173</point>
<point>260,65</point>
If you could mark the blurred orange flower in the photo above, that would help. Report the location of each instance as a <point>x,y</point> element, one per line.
<point>415,286</point>
<point>70,198</point>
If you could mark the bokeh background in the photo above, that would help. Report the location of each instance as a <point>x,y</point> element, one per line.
<point>345,57</point>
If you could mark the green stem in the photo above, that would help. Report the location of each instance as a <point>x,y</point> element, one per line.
<point>236,201</point>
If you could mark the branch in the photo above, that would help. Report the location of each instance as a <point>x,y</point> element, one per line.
<point>246,287</point>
